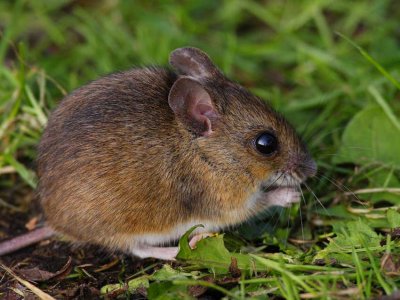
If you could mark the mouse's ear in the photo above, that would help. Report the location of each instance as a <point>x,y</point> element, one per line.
<point>193,106</point>
<point>193,62</point>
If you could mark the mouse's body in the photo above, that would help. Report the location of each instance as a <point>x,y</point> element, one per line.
<point>134,159</point>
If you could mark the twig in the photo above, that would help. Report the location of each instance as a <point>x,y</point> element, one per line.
<point>38,292</point>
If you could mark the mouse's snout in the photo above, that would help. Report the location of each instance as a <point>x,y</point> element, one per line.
<point>302,166</point>
<point>308,168</point>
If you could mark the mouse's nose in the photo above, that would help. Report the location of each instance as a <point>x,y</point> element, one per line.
<point>308,167</point>
<point>304,167</point>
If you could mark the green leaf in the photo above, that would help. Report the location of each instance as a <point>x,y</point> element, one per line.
<point>184,248</point>
<point>393,218</point>
<point>212,254</point>
<point>280,268</point>
<point>26,174</point>
<point>366,139</point>
<point>209,253</point>
<point>133,285</point>
<point>338,211</point>
<point>383,179</point>
<point>168,273</point>
<point>166,290</point>
<point>349,235</point>
<point>372,61</point>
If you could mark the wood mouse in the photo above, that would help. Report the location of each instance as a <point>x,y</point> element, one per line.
<point>133,160</point>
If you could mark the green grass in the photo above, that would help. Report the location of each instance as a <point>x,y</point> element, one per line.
<point>332,67</point>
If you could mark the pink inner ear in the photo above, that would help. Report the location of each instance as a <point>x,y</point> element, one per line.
<point>202,110</point>
<point>193,105</point>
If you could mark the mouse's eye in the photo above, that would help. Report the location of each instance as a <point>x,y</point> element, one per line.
<point>266,143</point>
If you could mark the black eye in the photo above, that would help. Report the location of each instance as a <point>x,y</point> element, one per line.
<point>266,143</point>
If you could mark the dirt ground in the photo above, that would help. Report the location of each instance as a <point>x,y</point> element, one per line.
<point>62,269</point>
<point>58,268</point>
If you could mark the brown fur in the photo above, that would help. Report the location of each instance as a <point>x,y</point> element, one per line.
<point>114,161</point>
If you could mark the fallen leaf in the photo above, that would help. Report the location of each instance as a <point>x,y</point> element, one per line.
<point>35,274</point>
<point>395,233</point>
<point>390,264</point>
<point>227,280</point>
<point>394,296</point>
<point>107,266</point>
<point>38,292</point>
<point>38,275</point>
<point>198,290</point>
<point>233,268</point>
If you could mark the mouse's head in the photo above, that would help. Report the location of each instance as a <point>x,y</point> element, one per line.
<point>234,130</point>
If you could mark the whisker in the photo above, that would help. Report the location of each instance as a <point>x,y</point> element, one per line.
<point>278,219</point>
<point>271,184</point>
<point>357,148</point>
<point>349,147</point>
<point>273,215</point>
<point>301,217</point>
<point>376,190</point>
<point>290,212</point>
<point>288,226</point>
<point>280,209</point>
<point>316,198</point>
<point>301,224</point>
<point>349,191</point>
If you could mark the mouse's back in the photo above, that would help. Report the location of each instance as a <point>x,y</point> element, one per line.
<point>94,154</point>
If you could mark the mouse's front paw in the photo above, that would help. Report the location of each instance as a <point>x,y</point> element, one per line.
<point>284,196</point>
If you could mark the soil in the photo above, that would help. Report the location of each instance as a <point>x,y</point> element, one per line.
<point>62,270</point>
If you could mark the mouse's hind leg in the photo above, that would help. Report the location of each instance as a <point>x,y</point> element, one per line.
<point>197,237</point>
<point>165,253</point>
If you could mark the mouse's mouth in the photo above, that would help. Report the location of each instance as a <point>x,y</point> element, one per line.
<point>270,188</point>
<point>280,181</point>
<point>280,189</point>
<point>273,189</point>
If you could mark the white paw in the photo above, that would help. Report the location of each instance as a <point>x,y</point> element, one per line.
<point>283,197</point>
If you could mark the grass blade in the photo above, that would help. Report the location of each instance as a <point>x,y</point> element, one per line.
<point>371,60</point>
